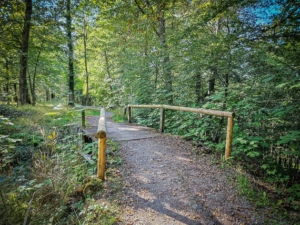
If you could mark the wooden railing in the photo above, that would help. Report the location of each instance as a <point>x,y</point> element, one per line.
<point>101,135</point>
<point>229,115</point>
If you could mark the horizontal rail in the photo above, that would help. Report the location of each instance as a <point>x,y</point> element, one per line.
<point>187,109</point>
<point>229,115</point>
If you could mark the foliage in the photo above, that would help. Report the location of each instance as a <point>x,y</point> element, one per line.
<point>50,182</point>
<point>118,116</point>
<point>261,198</point>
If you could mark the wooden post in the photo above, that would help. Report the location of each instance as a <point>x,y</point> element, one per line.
<point>101,158</point>
<point>101,134</point>
<point>129,114</point>
<point>162,120</point>
<point>83,118</point>
<point>229,137</point>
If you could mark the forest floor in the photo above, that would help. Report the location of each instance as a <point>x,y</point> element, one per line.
<point>167,180</point>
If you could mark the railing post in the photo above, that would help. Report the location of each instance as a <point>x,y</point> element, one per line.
<point>129,114</point>
<point>83,118</point>
<point>101,134</point>
<point>229,137</point>
<point>162,120</point>
<point>101,158</point>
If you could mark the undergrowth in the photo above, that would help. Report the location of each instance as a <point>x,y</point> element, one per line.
<point>118,116</point>
<point>265,199</point>
<point>43,178</point>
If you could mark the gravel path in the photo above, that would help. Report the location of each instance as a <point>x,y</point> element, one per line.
<point>165,182</point>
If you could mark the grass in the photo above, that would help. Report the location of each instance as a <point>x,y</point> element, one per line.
<point>92,112</point>
<point>118,116</point>
<point>264,200</point>
<point>43,178</point>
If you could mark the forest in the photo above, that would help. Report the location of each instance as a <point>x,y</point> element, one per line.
<point>241,56</point>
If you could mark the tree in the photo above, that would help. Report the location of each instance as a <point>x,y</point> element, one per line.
<point>70,54</point>
<point>23,89</point>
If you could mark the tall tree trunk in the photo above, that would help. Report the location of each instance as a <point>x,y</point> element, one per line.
<point>198,84</point>
<point>47,94</point>
<point>212,81</point>
<point>226,85</point>
<point>7,75</point>
<point>15,92</point>
<point>70,54</point>
<point>32,80</point>
<point>211,85</point>
<point>6,89</point>
<point>166,58</point>
<point>85,61</point>
<point>24,54</point>
<point>108,70</point>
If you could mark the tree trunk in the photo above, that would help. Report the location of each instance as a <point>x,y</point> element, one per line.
<point>166,58</point>
<point>32,85</point>
<point>226,85</point>
<point>16,93</point>
<point>47,94</point>
<point>211,86</point>
<point>7,75</point>
<point>71,54</point>
<point>198,87</point>
<point>85,62</point>
<point>108,69</point>
<point>212,81</point>
<point>6,87</point>
<point>23,98</point>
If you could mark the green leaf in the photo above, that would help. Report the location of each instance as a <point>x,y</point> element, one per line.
<point>295,86</point>
<point>290,137</point>
<point>282,85</point>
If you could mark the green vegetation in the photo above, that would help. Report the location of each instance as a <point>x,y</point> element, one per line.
<point>43,178</point>
<point>118,116</point>
<point>92,112</point>
<point>262,199</point>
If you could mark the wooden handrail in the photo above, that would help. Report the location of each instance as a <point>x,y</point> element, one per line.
<point>101,134</point>
<point>229,115</point>
<point>187,109</point>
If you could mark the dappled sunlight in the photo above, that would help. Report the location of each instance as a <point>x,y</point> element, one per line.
<point>183,159</point>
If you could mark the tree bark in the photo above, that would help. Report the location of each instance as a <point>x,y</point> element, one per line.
<point>47,94</point>
<point>85,61</point>
<point>7,75</point>
<point>211,85</point>
<point>32,81</point>
<point>226,85</point>
<point>70,54</point>
<point>6,88</point>
<point>166,58</point>
<point>23,98</point>
<point>212,80</point>
<point>15,92</point>
<point>198,84</point>
<point>108,70</point>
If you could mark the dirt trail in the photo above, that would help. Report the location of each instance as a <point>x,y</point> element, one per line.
<point>164,182</point>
